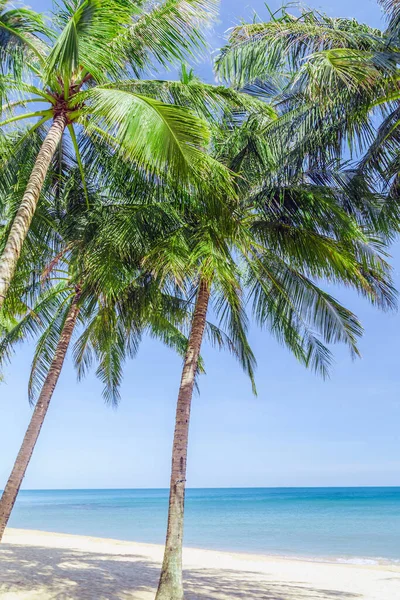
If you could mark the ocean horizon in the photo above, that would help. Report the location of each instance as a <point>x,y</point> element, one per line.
<point>344,524</point>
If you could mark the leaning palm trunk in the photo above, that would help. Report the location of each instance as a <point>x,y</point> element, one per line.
<point>31,436</point>
<point>171,586</point>
<point>23,218</point>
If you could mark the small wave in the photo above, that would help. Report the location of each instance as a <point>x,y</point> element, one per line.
<point>344,560</point>
<point>358,561</point>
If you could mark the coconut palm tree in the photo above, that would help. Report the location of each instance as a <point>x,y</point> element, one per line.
<point>267,250</point>
<point>66,299</point>
<point>71,295</point>
<point>74,71</point>
<point>78,275</point>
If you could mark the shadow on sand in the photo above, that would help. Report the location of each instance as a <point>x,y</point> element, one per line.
<point>36,573</point>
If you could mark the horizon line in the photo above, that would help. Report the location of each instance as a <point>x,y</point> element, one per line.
<point>288,487</point>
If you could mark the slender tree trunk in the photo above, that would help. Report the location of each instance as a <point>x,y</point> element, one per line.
<point>170,586</point>
<point>23,218</point>
<point>31,436</point>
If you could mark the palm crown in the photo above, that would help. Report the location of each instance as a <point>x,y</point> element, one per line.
<point>341,85</point>
<point>79,73</point>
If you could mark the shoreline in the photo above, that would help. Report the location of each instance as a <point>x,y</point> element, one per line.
<point>16,532</point>
<point>42,565</point>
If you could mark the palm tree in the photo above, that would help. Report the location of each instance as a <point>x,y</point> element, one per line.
<point>72,294</point>
<point>78,73</point>
<point>77,273</point>
<point>268,248</point>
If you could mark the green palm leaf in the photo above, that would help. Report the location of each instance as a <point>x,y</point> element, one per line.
<point>21,38</point>
<point>299,314</point>
<point>258,49</point>
<point>87,42</point>
<point>158,137</point>
<point>172,32</point>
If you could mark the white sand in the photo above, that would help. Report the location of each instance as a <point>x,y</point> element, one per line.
<point>41,566</point>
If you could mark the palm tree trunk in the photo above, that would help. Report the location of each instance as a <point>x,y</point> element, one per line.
<point>31,436</point>
<point>23,218</point>
<point>170,586</point>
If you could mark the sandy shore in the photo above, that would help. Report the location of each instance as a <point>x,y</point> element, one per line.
<point>41,566</point>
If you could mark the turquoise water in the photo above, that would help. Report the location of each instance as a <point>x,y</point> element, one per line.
<point>350,524</point>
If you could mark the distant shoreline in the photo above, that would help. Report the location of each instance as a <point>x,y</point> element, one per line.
<point>45,564</point>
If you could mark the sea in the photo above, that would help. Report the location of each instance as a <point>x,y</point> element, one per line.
<point>354,525</point>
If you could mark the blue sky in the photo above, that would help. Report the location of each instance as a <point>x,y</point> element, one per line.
<point>299,431</point>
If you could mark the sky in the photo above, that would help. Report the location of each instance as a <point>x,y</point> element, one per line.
<point>299,431</point>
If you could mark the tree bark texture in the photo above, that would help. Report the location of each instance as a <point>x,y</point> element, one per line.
<point>23,218</point>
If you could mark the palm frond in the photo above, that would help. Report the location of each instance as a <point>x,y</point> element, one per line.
<point>87,41</point>
<point>210,102</point>
<point>230,310</point>
<point>158,137</point>
<point>299,314</point>
<point>392,10</point>
<point>21,39</point>
<point>171,33</point>
<point>46,347</point>
<point>255,50</point>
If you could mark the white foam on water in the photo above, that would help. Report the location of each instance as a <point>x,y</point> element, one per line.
<point>358,561</point>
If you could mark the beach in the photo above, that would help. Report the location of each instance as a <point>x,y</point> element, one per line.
<point>36,565</point>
